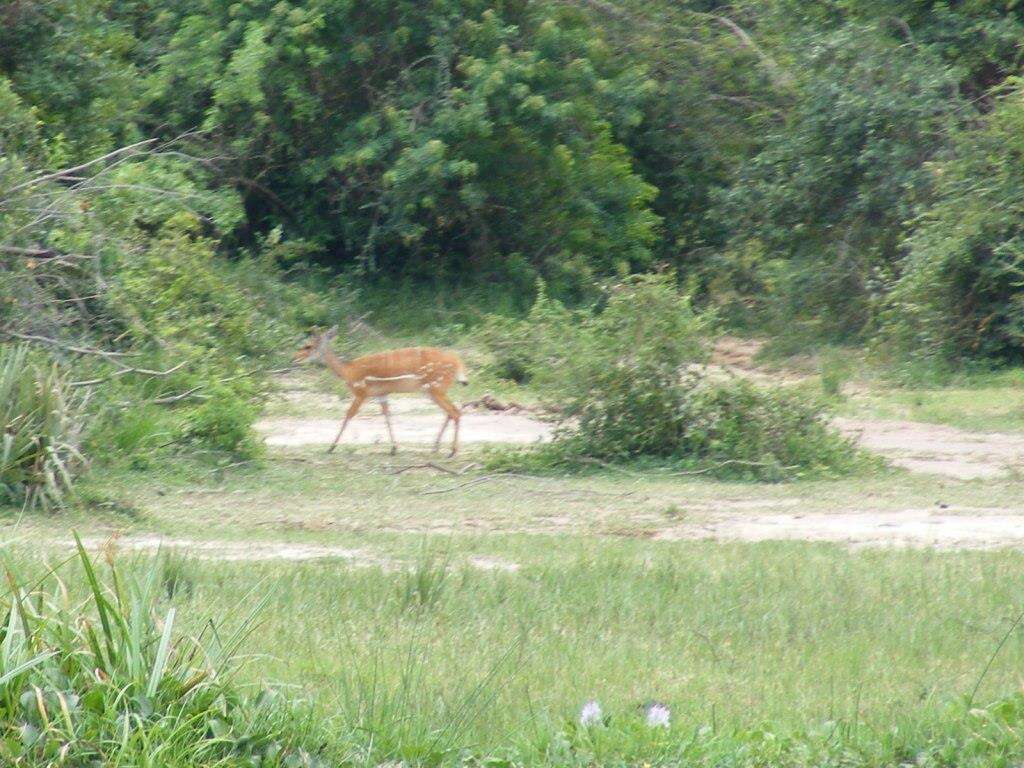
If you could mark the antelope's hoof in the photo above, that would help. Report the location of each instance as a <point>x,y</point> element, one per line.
<point>331,449</point>
<point>394,449</point>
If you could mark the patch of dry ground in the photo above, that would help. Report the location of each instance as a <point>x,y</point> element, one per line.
<point>249,551</point>
<point>924,449</point>
<point>941,529</point>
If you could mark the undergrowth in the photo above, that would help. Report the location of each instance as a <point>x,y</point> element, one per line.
<point>629,383</point>
<point>94,671</point>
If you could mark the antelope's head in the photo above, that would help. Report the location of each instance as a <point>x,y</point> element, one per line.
<point>315,346</point>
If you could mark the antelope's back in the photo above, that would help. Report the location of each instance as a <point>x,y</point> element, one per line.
<point>420,366</point>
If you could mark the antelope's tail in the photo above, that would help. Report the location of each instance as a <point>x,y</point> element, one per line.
<point>461,376</point>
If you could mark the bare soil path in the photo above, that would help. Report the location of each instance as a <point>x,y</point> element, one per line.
<point>415,421</point>
<point>935,528</point>
<point>918,447</point>
<point>931,450</point>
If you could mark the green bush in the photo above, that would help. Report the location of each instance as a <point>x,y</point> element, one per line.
<point>223,423</point>
<point>521,347</point>
<point>960,293</point>
<point>105,678</point>
<point>627,384</point>
<point>42,420</point>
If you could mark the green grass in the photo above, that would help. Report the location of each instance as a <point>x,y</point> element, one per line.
<point>475,614</point>
<point>768,654</point>
<point>307,495</point>
<point>95,670</point>
<point>978,400</point>
<point>985,402</point>
<point>820,647</point>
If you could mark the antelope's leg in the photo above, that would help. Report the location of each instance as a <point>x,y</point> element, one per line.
<point>446,405</point>
<point>357,403</point>
<point>437,443</point>
<point>387,420</point>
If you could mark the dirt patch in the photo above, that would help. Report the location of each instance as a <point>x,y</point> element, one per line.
<point>922,448</point>
<point>411,430</point>
<point>945,529</point>
<point>939,450</point>
<point>230,551</point>
<point>733,352</point>
<point>251,551</point>
<point>941,529</point>
<point>918,447</point>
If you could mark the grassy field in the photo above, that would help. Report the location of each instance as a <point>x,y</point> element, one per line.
<point>990,401</point>
<point>467,617</point>
<point>425,655</point>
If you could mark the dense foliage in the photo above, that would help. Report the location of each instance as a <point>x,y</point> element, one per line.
<point>961,291</point>
<point>844,170</point>
<point>777,154</point>
<point>107,678</point>
<point>628,384</point>
<point>428,138</point>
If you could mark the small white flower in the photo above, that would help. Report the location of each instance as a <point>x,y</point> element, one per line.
<point>591,713</point>
<point>657,715</point>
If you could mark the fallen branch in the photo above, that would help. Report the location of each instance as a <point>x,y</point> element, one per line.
<point>62,345</point>
<point>726,463</point>
<point>467,484</point>
<point>30,253</point>
<point>492,403</point>
<point>427,465</point>
<point>605,465</point>
<point>124,371</point>
<point>438,467</point>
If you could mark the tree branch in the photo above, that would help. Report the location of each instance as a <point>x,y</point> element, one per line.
<point>780,77</point>
<point>63,173</point>
<point>62,345</point>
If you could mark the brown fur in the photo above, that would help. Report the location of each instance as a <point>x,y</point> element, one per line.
<point>413,369</point>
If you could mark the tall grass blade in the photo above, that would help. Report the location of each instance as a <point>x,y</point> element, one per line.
<point>99,599</point>
<point>160,662</point>
<point>10,674</point>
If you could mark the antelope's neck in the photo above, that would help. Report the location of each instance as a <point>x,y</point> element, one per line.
<point>336,364</point>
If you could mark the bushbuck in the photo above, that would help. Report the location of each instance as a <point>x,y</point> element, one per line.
<point>413,369</point>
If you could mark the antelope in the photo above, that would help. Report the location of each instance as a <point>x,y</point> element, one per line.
<point>414,369</point>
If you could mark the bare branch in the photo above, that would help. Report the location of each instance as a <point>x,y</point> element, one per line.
<point>779,76</point>
<point>62,345</point>
<point>65,172</point>
<point>125,370</point>
<point>37,253</point>
<point>178,398</point>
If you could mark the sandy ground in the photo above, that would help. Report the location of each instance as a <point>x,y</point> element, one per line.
<point>940,451</point>
<point>935,528</point>
<point>415,421</point>
<point>923,448</point>
<point>230,551</point>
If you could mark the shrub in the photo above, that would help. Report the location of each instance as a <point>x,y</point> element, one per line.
<point>959,295</point>
<point>628,388</point>
<point>104,680</point>
<point>42,420</point>
<point>224,423</point>
<point>521,347</point>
